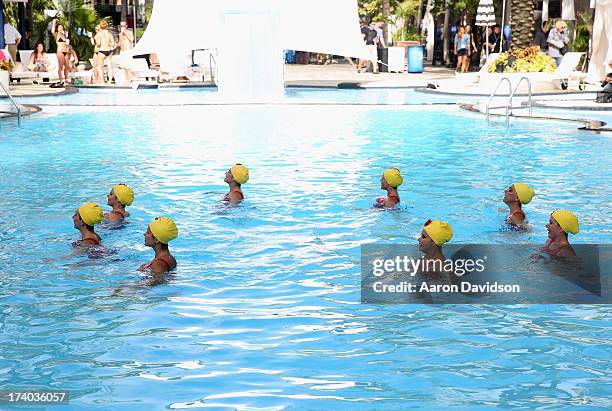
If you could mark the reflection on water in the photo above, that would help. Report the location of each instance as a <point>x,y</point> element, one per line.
<point>263,310</point>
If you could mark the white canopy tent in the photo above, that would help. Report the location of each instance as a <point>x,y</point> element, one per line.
<point>249,36</point>
<point>183,25</point>
<point>601,53</point>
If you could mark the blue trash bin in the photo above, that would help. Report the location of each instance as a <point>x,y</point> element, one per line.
<point>415,59</point>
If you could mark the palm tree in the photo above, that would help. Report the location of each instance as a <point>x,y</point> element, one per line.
<point>386,8</point>
<point>124,10</point>
<point>523,23</point>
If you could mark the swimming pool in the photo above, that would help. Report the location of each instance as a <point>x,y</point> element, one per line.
<point>263,311</point>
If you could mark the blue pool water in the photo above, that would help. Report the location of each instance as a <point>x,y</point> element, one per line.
<point>263,311</point>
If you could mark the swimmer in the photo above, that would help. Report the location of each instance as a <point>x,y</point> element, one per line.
<point>119,197</point>
<point>434,235</point>
<point>235,177</point>
<point>84,219</point>
<point>560,224</point>
<point>515,196</point>
<point>390,180</point>
<point>160,232</point>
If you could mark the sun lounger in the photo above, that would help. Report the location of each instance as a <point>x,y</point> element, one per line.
<point>140,70</point>
<point>567,73</point>
<point>21,71</point>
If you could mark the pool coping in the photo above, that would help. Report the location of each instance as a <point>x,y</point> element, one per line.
<point>30,109</point>
<point>596,126</point>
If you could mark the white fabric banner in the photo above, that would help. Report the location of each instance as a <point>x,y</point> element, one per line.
<point>602,41</point>
<point>184,25</point>
<point>567,10</point>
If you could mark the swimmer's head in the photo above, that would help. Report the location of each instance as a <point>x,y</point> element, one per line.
<point>162,229</point>
<point>88,214</point>
<point>562,222</point>
<point>238,173</point>
<point>121,193</point>
<point>391,178</point>
<point>518,192</point>
<point>435,232</point>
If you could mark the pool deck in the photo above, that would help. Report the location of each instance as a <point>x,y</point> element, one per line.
<point>344,75</point>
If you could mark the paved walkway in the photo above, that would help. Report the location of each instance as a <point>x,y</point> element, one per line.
<point>332,75</point>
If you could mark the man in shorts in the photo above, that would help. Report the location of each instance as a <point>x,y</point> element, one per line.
<point>126,43</point>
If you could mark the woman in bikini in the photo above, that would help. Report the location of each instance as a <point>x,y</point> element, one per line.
<point>515,196</point>
<point>160,232</point>
<point>561,223</point>
<point>119,197</point>
<point>235,177</point>
<point>39,60</point>
<point>62,49</point>
<point>390,180</point>
<point>105,44</point>
<point>84,219</point>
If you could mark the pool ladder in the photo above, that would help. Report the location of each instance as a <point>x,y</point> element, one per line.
<point>511,94</point>
<point>17,106</point>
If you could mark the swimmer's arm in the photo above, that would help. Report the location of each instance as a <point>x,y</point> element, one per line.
<point>566,252</point>
<point>159,267</point>
<point>516,219</point>
<point>112,217</point>
<point>234,197</point>
<point>390,203</point>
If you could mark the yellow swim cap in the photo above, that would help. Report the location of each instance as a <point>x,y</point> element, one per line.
<point>164,229</point>
<point>524,192</point>
<point>393,177</point>
<point>91,213</point>
<point>439,231</point>
<point>124,194</point>
<point>240,173</point>
<point>567,220</point>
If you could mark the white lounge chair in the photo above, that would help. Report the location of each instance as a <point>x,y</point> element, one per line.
<point>566,72</point>
<point>20,70</point>
<point>140,70</point>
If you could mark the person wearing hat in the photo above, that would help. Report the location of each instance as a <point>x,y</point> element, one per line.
<point>434,235</point>
<point>561,223</point>
<point>84,219</point>
<point>515,196</point>
<point>390,181</point>
<point>119,197</point>
<point>159,233</point>
<point>235,177</point>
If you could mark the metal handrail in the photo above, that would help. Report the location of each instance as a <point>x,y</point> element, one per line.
<point>493,95</point>
<point>509,102</point>
<point>5,88</point>
<point>211,60</point>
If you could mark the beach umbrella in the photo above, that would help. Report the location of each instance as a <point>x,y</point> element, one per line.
<point>485,16</point>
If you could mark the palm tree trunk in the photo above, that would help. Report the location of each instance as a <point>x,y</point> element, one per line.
<point>386,12</point>
<point>124,10</point>
<point>523,23</point>
<point>419,13</point>
<point>445,33</point>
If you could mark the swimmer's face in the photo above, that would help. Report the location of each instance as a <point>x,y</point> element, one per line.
<point>510,195</point>
<point>111,198</point>
<point>77,220</point>
<point>229,177</point>
<point>383,183</point>
<point>554,229</point>
<point>149,238</point>
<point>425,242</point>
